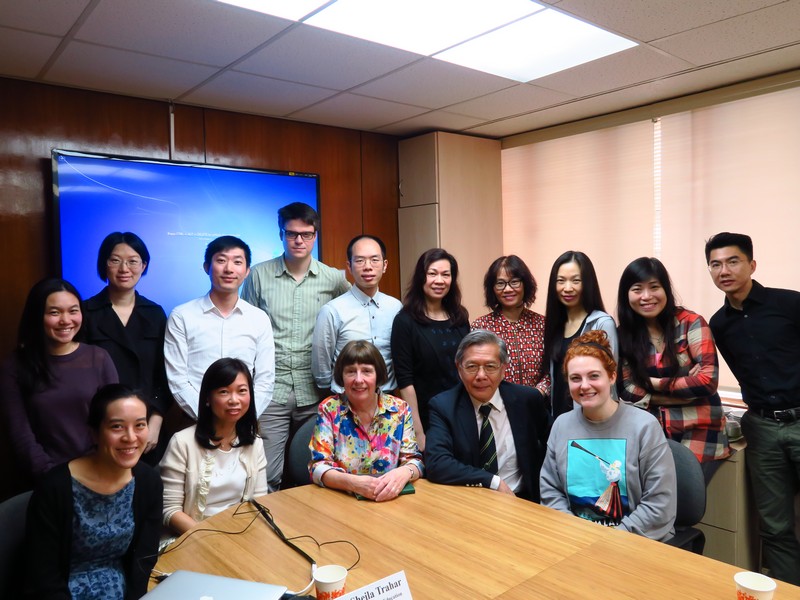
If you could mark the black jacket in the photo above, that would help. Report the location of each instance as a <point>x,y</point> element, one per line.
<point>451,447</point>
<point>136,349</point>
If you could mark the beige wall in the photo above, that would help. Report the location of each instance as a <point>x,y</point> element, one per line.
<point>450,197</point>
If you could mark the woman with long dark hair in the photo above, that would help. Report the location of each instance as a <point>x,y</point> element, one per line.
<point>509,289</point>
<point>669,361</point>
<point>50,379</point>
<point>130,327</point>
<point>574,306</point>
<point>94,522</point>
<point>219,461</point>
<point>426,333</point>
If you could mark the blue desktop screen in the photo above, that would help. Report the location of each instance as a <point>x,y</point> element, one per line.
<point>176,208</point>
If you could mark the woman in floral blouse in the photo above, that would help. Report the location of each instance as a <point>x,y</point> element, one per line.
<point>510,288</point>
<point>364,440</point>
<point>669,362</point>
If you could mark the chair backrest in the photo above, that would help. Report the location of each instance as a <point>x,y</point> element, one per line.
<point>12,535</point>
<point>298,455</point>
<point>691,485</point>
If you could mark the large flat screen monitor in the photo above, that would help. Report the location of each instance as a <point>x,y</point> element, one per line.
<point>176,208</point>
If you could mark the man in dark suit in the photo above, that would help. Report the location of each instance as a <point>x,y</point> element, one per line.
<point>486,432</point>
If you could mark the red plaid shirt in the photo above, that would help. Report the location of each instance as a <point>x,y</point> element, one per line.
<point>700,424</point>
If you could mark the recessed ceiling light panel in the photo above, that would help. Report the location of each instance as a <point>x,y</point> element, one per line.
<point>517,39</point>
<point>288,9</point>
<point>421,26</point>
<point>539,45</point>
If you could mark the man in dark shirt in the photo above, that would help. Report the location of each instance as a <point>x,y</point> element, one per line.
<point>758,333</point>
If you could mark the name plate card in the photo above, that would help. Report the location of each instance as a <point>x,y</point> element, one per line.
<point>393,587</point>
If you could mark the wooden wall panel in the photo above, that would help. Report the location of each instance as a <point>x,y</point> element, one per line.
<point>333,153</point>
<point>355,170</point>
<point>379,191</point>
<point>190,134</point>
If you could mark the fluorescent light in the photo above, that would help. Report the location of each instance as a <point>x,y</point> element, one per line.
<point>288,9</point>
<point>539,45</point>
<point>421,26</point>
<point>517,39</point>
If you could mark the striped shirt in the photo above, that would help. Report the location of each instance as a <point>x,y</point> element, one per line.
<point>292,307</point>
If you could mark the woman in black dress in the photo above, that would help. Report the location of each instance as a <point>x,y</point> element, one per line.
<point>130,327</point>
<point>426,333</point>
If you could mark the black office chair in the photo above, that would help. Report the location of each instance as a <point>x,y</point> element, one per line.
<point>12,535</point>
<point>691,499</point>
<point>298,455</point>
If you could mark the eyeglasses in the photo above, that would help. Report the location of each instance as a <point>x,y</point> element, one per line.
<point>307,236</point>
<point>131,263</point>
<point>360,261</point>
<point>732,264</point>
<point>501,284</point>
<point>489,369</point>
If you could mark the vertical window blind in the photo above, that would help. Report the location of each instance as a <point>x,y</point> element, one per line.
<point>661,188</point>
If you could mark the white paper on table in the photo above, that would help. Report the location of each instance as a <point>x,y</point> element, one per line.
<point>393,587</point>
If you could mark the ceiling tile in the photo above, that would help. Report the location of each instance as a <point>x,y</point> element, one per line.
<point>739,36</point>
<point>254,94</point>
<point>317,57</point>
<point>663,89</point>
<point>612,72</point>
<point>521,98</point>
<point>437,120</point>
<point>356,112</point>
<point>38,49</point>
<point>54,17</point>
<point>713,76</point>
<point>647,20</point>
<point>119,71</point>
<point>433,84</point>
<point>174,50</point>
<point>191,30</point>
<point>573,111</point>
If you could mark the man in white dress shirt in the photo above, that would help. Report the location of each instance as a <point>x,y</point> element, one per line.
<point>217,325</point>
<point>362,313</point>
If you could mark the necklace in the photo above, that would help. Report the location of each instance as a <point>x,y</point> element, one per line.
<point>658,341</point>
<point>226,443</point>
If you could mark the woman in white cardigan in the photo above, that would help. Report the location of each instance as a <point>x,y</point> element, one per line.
<point>219,461</point>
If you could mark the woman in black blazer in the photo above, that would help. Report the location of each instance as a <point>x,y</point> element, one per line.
<point>131,328</point>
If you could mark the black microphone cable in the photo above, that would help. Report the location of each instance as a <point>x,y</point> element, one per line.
<point>264,512</point>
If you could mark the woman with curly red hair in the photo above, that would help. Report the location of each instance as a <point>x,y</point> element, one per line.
<point>607,462</point>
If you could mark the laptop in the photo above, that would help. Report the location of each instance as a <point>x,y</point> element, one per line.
<point>188,585</point>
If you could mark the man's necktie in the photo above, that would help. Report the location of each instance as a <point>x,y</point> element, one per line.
<point>486,441</point>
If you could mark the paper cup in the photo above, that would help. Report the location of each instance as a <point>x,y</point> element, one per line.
<point>329,581</point>
<point>753,586</point>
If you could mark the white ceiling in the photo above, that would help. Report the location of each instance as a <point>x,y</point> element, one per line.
<point>205,53</point>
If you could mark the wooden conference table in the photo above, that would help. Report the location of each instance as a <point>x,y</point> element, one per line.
<point>454,542</point>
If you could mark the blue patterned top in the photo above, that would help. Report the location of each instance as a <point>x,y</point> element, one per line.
<point>102,531</point>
